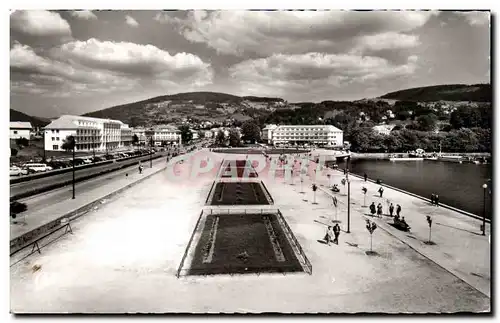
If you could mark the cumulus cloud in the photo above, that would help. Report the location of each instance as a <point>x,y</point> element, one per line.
<point>476,17</point>
<point>162,17</point>
<point>92,65</point>
<point>281,73</point>
<point>84,14</point>
<point>131,21</point>
<point>292,32</point>
<point>39,23</point>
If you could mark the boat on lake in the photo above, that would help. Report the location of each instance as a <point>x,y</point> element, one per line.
<point>406,158</point>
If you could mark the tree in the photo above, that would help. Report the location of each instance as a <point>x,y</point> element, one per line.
<point>371,227</point>
<point>186,134</point>
<point>427,122</point>
<point>13,152</point>
<point>220,138</point>
<point>250,131</point>
<point>69,143</point>
<point>22,142</point>
<point>465,117</point>
<point>135,139</point>
<point>234,138</point>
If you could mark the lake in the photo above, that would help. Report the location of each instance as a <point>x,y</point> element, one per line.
<point>458,185</point>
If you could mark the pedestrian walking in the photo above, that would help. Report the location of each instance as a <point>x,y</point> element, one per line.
<point>398,210</point>
<point>336,232</point>
<point>432,198</point>
<point>328,235</point>
<point>366,177</point>
<point>436,200</point>
<point>381,191</point>
<point>372,208</point>
<point>391,209</point>
<point>379,210</point>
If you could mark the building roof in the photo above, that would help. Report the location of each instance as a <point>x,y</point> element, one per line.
<point>20,125</point>
<point>332,128</point>
<point>384,127</point>
<point>70,122</point>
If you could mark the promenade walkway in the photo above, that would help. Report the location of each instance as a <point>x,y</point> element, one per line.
<point>123,258</point>
<point>459,246</point>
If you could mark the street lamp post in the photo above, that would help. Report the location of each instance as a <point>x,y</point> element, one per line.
<point>151,152</point>
<point>484,209</point>
<point>348,206</point>
<point>348,197</point>
<point>74,145</point>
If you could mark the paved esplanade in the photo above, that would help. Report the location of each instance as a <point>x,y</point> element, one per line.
<point>123,258</point>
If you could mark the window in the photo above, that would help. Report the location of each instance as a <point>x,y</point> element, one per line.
<point>57,138</point>
<point>52,130</point>
<point>55,147</point>
<point>15,132</point>
<point>53,138</point>
<point>57,131</point>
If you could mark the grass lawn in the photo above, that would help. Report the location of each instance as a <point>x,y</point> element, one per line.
<point>243,245</point>
<point>238,194</point>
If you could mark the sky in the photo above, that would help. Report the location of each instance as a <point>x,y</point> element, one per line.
<point>74,62</point>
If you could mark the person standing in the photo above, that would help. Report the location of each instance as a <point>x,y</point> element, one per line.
<point>336,232</point>
<point>372,208</point>
<point>436,200</point>
<point>381,191</point>
<point>328,235</point>
<point>432,198</point>
<point>365,176</point>
<point>391,209</point>
<point>379,210</point>
<point>398,210</point>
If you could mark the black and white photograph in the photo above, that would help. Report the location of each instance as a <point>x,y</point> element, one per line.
<point>244,161</point>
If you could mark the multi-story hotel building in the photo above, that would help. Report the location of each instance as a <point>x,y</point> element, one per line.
<point>89,133</point>
<point>165,133</point>
<point>20,129</point>
<point>303,134</point>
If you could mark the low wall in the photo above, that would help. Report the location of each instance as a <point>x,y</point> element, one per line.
<point>355,155</point>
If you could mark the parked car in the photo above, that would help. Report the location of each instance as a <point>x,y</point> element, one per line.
<point>109,157</point>
<point>87,161</point>
<point>97,159</point>
<point>77,161</point>
<point>18,171</point>
<point>56,164</point>
<point>37,168</point>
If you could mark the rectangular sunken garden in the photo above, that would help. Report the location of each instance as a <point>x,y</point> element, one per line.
<point>243,243</point>
<point>238,193</point>
<point>238,169</point>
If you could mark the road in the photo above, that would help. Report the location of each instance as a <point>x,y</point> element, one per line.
<point>40,201</point>
<point>23,187</point>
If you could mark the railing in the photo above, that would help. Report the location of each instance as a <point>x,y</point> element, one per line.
<point>189,245</point>
<point>210,193</point>
<point>294,241</point>
<point>221,211</point>
<point>266,192</point>
<point>35,242</point>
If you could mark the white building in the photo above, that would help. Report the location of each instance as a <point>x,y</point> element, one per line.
<point>305,134</point>
<point>89,133</point>
<point>141,134</point>
<point>267,133</point>
<point>20,129</point>
<point>165,134</point>
<point>384,129</point>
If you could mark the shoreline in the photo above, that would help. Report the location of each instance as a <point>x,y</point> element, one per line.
<point>386,156</point>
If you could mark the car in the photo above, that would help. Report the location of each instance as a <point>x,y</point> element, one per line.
<point>87,161</point>
<point>97,159</point>
<point>109,157</point>
<point>18,171</point>
<point>56,164</point>
<point>36,167</point>
<point>78,161</point>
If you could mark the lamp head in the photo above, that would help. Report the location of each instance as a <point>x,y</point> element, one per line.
<point>485,186</point>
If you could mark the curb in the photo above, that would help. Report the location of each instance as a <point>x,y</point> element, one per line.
<point>20,241</point>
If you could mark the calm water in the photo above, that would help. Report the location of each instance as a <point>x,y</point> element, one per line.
<point>458,185</point>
